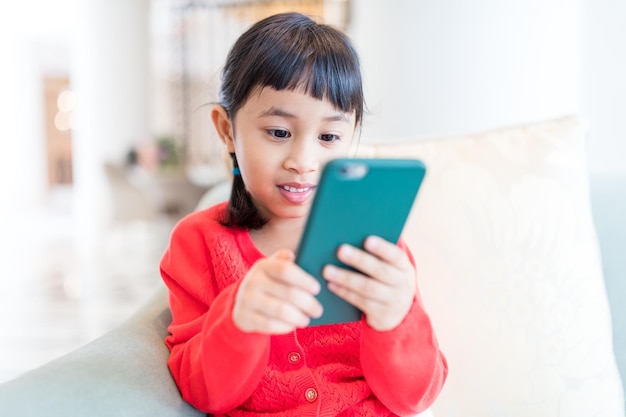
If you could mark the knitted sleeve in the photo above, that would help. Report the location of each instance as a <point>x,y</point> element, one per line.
<point>214,364</point>
<point>404,366</point>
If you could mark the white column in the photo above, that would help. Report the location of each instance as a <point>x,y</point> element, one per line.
<point>110,74</point>
<point>449,66</point>
<point>22,165</point>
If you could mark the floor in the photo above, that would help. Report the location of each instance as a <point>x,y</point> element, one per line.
<point>55,298</point>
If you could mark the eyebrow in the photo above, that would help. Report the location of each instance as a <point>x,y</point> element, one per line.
<point>276,111</point>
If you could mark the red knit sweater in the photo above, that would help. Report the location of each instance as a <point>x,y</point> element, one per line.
<point>331,370</point>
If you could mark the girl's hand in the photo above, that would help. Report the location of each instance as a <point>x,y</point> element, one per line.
<point>385,289</point>
<point>276,296</point>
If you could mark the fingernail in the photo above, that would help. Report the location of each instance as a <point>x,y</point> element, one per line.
<point>371,242</point>
<point>316,288</point>
<point>346,250</point>
<point>330,271</point>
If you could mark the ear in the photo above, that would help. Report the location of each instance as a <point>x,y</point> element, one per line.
<point>223,126</point>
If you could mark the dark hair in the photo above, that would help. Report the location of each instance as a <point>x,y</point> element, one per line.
<point>287,51</point>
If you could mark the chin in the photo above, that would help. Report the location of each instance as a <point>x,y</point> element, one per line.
<point>300,212</point>
<point>297,214</point>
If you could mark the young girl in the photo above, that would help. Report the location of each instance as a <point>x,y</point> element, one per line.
<point>291,100</point>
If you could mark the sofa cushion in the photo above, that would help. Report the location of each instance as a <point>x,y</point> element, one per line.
<point>122,373</point>
<point>509,269</point>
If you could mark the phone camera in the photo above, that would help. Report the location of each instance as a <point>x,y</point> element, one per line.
<point>353,170</point>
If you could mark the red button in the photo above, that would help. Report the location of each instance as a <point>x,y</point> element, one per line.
<point>294,357</point>
<point>311,395</point>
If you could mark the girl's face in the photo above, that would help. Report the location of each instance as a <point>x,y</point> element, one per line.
<point>282,139</point>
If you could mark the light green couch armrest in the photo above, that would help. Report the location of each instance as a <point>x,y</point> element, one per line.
<point>122,373</point>
<point>608,197</point>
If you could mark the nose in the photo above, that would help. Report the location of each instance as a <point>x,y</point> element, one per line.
<point>303,156</point>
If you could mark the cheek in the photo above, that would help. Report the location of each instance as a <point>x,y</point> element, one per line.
<point>252,159</point>
<point>256,168</point>
<point>341,151</point>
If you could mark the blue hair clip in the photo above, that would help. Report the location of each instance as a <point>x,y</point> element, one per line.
<point>236,171</point>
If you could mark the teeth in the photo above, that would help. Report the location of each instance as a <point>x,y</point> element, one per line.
<point>295,190</point>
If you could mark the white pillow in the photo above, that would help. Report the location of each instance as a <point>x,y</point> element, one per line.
<point>509,269</point>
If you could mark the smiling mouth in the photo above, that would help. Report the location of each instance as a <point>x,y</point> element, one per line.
<point>296,190</point>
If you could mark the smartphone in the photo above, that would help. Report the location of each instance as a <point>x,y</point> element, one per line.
<point>355,198</point>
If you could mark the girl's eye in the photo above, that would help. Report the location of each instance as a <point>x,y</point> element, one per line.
<point>279,133</point>
<point>329,137</point>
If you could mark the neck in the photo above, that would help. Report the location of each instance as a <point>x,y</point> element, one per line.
<point>283,234</point>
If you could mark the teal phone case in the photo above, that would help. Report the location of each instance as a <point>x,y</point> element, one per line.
<point>355,198</point>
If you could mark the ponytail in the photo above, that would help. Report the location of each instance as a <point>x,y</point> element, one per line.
<point>241,211</point>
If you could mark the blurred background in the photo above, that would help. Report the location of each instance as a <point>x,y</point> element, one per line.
<point>107,140</point>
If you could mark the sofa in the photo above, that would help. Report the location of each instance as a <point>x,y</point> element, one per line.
<point>520,255</point>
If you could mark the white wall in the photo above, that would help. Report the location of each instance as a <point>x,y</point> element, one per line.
<point>449,66</point>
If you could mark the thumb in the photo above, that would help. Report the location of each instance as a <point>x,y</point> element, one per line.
<point>284,255</point>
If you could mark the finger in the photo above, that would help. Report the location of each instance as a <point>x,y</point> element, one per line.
<point>277,309</point>
<point>262,312</point>
<point>387,251</point>
<point>384,309</point>
<point>301,299</point>
<point>284,255</point>
<point>364,262</point>
<point>288,273</point>
<point>266,325</point>
<point>356,283</point>
<point>363,303</point>
<point>286,281</point>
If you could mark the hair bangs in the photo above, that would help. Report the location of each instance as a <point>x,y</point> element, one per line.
<point>323,67</point>
<point>291,53</point>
